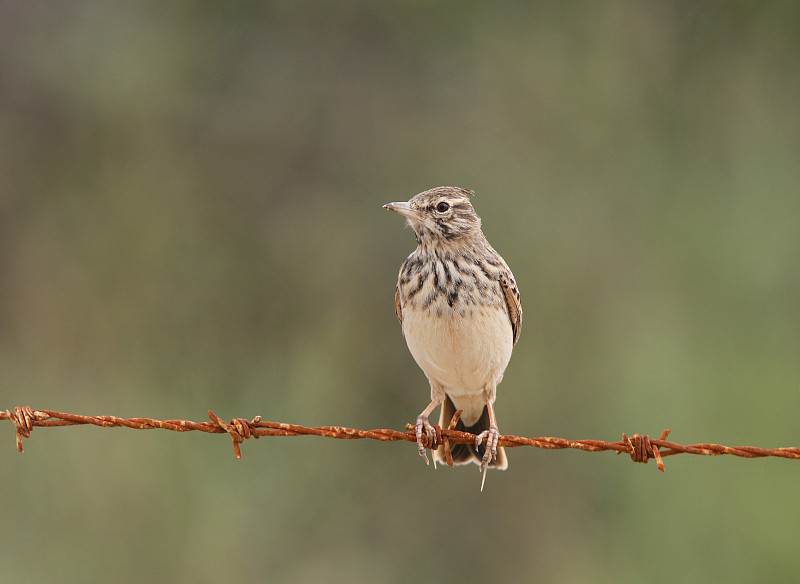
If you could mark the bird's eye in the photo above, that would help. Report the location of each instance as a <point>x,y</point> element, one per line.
<point>443,206</point>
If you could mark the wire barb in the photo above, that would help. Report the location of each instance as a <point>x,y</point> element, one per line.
<point>640,448</point>
<point>643,449</point>
<point>24,420</point>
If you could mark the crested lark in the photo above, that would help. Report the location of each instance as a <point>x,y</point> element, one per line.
<point>459,307</point>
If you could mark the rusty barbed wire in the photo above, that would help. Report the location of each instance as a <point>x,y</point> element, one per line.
<point>641,448</point>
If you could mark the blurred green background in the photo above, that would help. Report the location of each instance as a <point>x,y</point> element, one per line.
<point>190,219</point>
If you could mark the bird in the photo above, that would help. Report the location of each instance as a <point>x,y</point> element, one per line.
<point>460,311</point>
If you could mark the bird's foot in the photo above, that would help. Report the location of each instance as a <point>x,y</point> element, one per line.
<point>490,437</point>
<point>426,436</point>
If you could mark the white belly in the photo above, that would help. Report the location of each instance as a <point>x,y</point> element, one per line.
<point>465,356</point>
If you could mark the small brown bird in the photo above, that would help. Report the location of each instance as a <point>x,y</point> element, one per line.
<point>460,310</point>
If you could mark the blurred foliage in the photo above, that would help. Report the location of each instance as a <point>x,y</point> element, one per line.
<point>190,218</point>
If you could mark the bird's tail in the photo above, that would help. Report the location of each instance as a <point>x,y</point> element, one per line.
<point>466,453</point>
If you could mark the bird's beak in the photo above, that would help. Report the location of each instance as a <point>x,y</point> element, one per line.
<point>403,209</point>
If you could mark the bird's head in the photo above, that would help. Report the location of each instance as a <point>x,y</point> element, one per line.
<point>442,214</point>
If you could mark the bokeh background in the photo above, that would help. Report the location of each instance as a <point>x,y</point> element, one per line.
<point>190,219</point>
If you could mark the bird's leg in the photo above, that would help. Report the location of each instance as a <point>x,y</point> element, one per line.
<point>426,434</point>
<point>490,436</point>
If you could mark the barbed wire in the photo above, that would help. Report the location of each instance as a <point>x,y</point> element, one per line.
<point>640,448</point>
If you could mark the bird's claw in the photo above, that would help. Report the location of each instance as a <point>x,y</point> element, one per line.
<point>426,436</point>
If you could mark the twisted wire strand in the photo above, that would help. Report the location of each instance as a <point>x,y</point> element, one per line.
<point>640,448</point>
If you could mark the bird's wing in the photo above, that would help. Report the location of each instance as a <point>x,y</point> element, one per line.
<point>510,291</point>
<point>398,310</point>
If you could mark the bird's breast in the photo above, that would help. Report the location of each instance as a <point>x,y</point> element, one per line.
<point>463,348</point>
